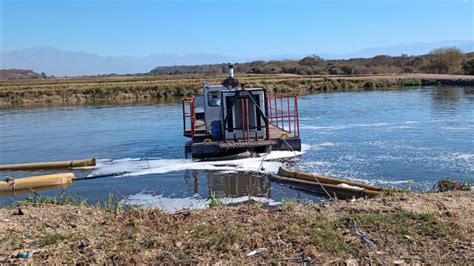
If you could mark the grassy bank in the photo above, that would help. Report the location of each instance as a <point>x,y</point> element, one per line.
<point>428,228</point>
<point>143,89</point>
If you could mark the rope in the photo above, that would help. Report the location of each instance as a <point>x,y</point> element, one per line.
<point>364,238</point>
<point>289,146</point>
<point>317,180</point>
<point>366,241</point>
<point>260,167</point>
<point>12,184</point>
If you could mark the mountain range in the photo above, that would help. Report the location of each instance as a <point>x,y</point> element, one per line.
<point>60,62</point>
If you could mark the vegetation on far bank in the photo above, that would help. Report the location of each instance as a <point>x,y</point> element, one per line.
<point>445,60</point>
<point>308,75</point>
<point>426,228</point>
<point>143,89</point>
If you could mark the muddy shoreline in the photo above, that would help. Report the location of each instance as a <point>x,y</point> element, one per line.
<point>416,228</point>
<point>136,90</point>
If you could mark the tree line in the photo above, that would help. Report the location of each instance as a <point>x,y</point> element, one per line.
<point>445,60</point>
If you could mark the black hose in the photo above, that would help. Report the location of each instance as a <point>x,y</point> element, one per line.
<point>100,176</point>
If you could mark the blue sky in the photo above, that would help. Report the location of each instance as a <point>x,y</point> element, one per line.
<point>240,28</point>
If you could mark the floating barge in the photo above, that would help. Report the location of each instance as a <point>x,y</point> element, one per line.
<point>323,185</point>
<point>229,119</point>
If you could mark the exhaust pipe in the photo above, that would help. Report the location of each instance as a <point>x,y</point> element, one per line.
<point>230,82</point>
<point>231,71</point>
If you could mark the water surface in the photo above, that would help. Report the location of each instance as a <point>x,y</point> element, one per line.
<point>400,138</point>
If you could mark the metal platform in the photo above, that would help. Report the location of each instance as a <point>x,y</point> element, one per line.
<point>247,144</point>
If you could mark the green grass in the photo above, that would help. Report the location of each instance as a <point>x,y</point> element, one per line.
<point>290,204</point>
<point>214,200</point>
<point>112,204</point>
<point>51,239</point>
<point>405,223</point>
<point>208,236</point>
<point>329,238</point>
<point>63,199</point>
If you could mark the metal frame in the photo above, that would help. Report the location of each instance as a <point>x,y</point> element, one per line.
<point>191,115</point>
<point>244,96</point>
<point>280,110</point>
<point>287,121</point>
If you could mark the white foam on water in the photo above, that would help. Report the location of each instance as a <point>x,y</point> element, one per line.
<point>400,127</point>
<point>315,164</point>
<point>460,128</point>
<point>375,181</point>
<point>315,147</point>
<point>169,204</point>
<point>355,125</point>
<point>145,200</point>
<point>464,156</point>
<point>137,167</point>
<point>457,159</point>
<point>228,172</point>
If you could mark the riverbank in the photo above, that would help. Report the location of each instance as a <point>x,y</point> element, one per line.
<point>117,90</point>
<point>418,228</point>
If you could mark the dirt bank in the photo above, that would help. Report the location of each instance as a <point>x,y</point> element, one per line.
<point>145,89</point>
<point>428,228</point>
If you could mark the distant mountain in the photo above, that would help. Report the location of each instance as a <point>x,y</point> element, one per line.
<point>59,62</point>
<point>16,74</point>
<point>419,48</point>
<point>409,49</point>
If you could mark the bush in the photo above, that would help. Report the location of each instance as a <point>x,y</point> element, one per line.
<point>468,66</point>
<point>445,60</point>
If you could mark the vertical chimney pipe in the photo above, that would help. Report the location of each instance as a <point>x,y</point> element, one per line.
<point>231,71</point>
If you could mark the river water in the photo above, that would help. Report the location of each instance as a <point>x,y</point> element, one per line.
<point>406,138</point>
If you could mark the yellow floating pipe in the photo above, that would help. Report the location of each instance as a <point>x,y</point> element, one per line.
<point>18,192</point>
<point>34,183</point>
<point>323,179</point>
<point>48,165</point>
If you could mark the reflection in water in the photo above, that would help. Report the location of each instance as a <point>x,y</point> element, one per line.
<point>229,184</point>
<point>446,95</point>
<point>191,177</point>
<point>238,184</point>
<point>469,93</point>
<point>468,90</point>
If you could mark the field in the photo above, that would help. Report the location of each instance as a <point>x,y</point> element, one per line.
<point>125,89</point>
<point>433,228</point>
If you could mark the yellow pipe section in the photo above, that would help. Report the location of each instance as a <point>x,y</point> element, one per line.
<point>36,183</point>
<point>18,192</point>
<point>323,179</point>
<point>48,165</point>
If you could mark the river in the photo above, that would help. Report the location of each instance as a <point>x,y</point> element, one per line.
<point>406,138</point>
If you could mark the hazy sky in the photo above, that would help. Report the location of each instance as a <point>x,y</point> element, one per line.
<point>240,28</point>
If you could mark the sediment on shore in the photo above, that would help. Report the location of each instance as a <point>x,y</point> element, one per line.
<point>416,228</point>
<point>76,91</point>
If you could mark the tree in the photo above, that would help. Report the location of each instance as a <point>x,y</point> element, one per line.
<point>445,60</point>
<point>348,70</point>
<point>468,66</point>
<point>43,75</point>
<point>312,60</point>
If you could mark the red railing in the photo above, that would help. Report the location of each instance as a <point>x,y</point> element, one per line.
<point>189,113</point>
<point>283,113</point>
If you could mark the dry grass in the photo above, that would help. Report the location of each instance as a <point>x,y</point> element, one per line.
<point>143,89</point>
<point>429,228</point>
